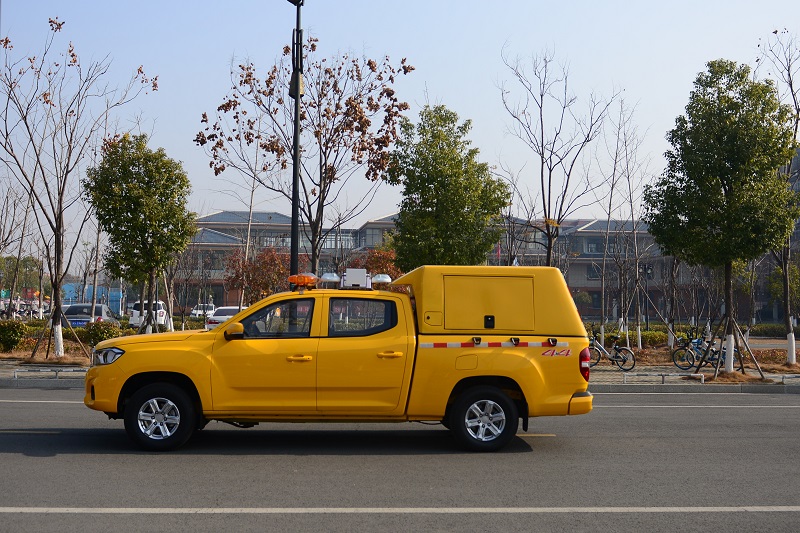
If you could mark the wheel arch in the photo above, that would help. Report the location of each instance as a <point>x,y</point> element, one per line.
<point>138,381</point>
<point>510,387</point>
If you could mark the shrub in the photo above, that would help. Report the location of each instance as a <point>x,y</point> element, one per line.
<point>96,332</point>
<point>653,338</point>
<point>768,330</point>
<point>11,333</point>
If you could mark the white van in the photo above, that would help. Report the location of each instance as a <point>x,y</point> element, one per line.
<point>137,314</point>
<point>202,310</point>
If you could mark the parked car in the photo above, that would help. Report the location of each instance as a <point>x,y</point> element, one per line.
<point>137,314</point>
<point>78,315</point>
<point>202,310</point>
<point>220,315</point>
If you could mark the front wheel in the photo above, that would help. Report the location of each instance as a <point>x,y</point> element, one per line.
<point>594,356</point>
<point>160,417</point>
<point>683,358</point>
<point>625,359</point>
<point>484,419</point>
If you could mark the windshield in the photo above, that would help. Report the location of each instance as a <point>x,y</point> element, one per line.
<point>84,310</point>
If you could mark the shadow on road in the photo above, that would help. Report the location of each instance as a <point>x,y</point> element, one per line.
<point>216,439</point>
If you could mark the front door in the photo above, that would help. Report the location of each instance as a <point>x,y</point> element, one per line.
<point>274,367</point>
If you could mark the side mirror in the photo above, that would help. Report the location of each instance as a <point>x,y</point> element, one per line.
<point>234,331</point>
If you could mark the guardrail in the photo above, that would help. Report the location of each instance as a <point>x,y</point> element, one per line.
<point>49,370</point>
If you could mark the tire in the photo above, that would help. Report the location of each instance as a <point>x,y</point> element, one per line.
<point>683,358</point>
<point>484,419</point>
<point>594,356</point>
<point>160,417</point>
<point>625,359</point>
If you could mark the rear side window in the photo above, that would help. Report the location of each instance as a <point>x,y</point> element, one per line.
<point>355,317</point>
<point>138,306</point>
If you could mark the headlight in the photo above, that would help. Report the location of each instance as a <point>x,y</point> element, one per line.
<point>106,356</point>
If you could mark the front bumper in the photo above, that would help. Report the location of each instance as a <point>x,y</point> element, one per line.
<point>102,388</point>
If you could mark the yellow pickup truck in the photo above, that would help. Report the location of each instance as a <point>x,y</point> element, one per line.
<point>475,348</point>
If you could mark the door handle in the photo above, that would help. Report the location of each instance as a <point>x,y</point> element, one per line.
<point>299,358</point>
<point>390,355</point>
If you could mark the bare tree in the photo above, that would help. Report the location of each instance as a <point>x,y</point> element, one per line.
<point>518,218</point>
<point>349,117</point>
<point>781,56</point>
<point>615,144</point>
<point>10,206</point>
<point>53,113</point>
<point>545,117</point>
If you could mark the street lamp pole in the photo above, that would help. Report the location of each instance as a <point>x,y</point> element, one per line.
<point>296,91</point>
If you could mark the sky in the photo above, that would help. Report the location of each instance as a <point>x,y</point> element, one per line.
<point>650,52</point>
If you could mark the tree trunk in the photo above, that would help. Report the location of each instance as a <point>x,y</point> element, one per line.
<point>151,321</point>
<point>729,313</point>
<point>673,301</point>
<point>94,272</point>
<point>791,356</point>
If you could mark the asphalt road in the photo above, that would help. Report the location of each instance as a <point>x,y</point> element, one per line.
<point>657,462</point>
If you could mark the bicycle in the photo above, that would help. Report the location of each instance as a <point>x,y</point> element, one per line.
<point>623,356</point>
<point>692,350</point>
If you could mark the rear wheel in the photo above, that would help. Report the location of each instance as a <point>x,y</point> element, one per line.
<point>160,417</point>
<point>484,419</point>
<point>625,359</point>
<point>683,358</point>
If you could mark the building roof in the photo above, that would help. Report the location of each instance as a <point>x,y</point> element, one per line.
<point>240,217</point>
<point>209,236</point>
<point>614,226</point>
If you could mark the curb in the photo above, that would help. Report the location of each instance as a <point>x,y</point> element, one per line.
<point>730,388</point>
<point>41,383</point>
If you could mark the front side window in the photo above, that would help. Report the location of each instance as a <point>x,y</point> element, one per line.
<point>354,317</point>
<point>290,318</point>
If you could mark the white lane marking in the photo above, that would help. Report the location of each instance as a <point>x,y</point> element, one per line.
<point>712,393</point>
<point>396,510</point>
<point>40,401</point>
<point>632,406</point>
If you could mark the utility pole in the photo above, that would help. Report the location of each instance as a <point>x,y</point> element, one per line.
<point>296,91</point>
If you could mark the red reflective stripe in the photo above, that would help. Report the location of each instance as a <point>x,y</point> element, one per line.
<point>523,344</point>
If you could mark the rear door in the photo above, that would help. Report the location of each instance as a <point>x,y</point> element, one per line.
<point>365,354</point>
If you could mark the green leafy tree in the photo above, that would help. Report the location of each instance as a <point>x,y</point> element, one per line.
<point>721,198</point>
<point>139,196</point>
<point>452,207</point>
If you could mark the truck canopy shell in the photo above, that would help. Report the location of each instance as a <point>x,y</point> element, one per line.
<point>493,300</point>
